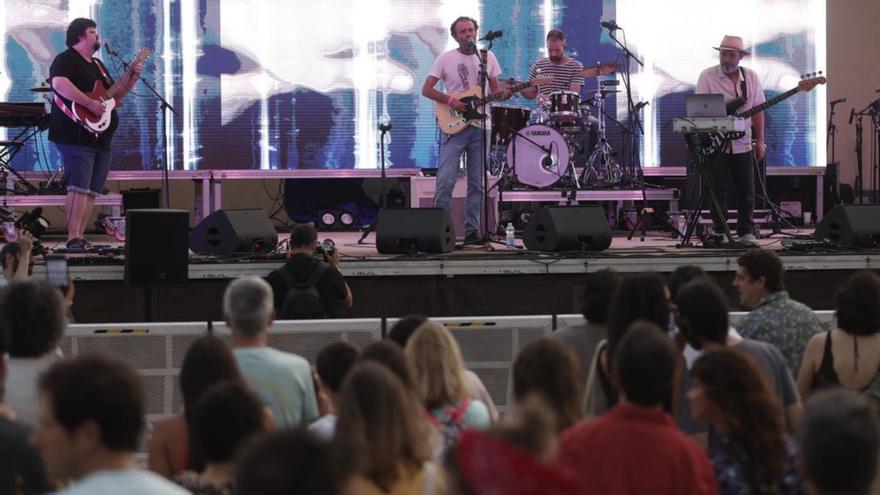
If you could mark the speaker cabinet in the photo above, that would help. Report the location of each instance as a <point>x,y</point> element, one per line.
<point>156,250</point>
<point>851,225</point>
<point>234,231</point>
<point>426,230</point>
<point>568,228</point>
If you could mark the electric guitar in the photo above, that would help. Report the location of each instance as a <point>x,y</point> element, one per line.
<point>452,121</point>
<point>805,85</point>
<point>94,123</point>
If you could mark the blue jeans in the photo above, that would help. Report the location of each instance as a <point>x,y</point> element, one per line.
<point>466,142</point>
<point>86,168</point>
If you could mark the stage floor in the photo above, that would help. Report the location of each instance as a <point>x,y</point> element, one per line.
<point>466,282</point>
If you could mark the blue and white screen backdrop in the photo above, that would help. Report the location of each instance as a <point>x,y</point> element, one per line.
<point>269,84</point>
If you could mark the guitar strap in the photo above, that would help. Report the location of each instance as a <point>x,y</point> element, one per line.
<point>743,87</point>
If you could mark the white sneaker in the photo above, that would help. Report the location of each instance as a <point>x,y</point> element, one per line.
<point>749,239</point>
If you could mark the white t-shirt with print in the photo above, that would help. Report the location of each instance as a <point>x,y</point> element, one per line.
<point>459,72</point>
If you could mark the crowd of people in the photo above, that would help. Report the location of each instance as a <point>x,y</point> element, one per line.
<point>657,392</point>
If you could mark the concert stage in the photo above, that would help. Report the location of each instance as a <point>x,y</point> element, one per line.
<point>463,283</point>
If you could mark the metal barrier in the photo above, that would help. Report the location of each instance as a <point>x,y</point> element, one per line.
<point>488,345</point>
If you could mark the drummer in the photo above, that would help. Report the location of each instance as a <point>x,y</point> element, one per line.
<point>566,77</point>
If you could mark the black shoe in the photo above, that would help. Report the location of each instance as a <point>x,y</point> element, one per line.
<point>473,237</point>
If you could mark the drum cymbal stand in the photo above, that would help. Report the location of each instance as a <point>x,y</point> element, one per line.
<point>601,168</point>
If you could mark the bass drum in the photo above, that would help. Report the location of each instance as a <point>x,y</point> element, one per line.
<point>539,155</point>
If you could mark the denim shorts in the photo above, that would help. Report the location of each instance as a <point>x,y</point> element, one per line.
<point>85,167</point>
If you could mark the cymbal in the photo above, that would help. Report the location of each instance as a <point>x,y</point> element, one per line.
<point>599,69</point>
<point>41,89</point>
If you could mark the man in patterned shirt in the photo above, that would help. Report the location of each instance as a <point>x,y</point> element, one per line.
<point>775,318</point>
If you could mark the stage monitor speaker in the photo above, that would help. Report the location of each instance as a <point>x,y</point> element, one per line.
<point>568,228</point>
<point>851,225</point>
<point>407,230</point>
<point>234,231</point>
<point>156,250</point>
<point>140,199</point>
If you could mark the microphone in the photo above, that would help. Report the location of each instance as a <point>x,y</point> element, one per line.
<point>640,105</point>
<point>470,44</point>
<point>839,100</point>
<point>610,25</point>
<point>852,113</point>
<point>491,35</point>
<point>109,49</point>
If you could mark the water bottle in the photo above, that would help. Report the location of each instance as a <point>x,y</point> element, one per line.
<point>510,236</point>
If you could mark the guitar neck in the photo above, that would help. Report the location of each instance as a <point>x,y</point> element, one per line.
<point>767,104</point>
<point>120,84</point>
<point>500,94</point>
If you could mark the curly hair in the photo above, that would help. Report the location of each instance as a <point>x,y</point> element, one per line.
<point>548,368</point>
<point>32,314</point>
<point>858,304</point>
<point>741,394</point>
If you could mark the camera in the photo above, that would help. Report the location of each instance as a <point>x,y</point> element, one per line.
<point>326,250</point>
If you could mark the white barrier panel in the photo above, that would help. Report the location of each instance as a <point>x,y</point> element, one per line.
<point>826,317</point>
<point>489,344</point>
<point>157,350</point>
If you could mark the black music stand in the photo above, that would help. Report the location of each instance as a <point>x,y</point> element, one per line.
<point>706,191</point>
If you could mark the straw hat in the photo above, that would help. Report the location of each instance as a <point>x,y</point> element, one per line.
<point>732,43</point>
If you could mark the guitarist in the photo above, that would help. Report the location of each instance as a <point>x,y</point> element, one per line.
<point>85,155</point>
<point>459,70</point>
<point>742,90</point>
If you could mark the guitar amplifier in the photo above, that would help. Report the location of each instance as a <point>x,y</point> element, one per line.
<point>422,196</point>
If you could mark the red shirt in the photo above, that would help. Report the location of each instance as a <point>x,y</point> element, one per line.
<point>635,450</point>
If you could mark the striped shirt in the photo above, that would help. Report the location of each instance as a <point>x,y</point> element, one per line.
<point>564,75</point>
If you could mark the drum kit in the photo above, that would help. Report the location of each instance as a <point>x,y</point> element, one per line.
<point>552,146</point>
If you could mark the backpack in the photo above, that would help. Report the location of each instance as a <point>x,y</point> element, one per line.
<point>302,300</point>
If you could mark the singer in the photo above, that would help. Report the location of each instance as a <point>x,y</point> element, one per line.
<point>459,70</point>
<point>86,156</point>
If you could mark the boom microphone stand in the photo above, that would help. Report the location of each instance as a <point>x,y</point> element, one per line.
<point>164,106</point>
<point>383,128</point>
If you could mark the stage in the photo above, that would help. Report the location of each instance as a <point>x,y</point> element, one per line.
<point>470,281</point>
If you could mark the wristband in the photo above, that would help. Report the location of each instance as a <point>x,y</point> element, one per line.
<point>449,101</point>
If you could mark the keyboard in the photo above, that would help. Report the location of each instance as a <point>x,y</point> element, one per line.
<point>708,124</point>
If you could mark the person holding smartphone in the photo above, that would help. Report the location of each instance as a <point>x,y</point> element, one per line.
<point>16,259</point>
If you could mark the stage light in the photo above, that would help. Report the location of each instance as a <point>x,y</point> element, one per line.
<point>327,218</point>
<point>347,219</point>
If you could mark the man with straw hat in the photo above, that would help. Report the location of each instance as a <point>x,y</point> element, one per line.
<point>742,90</point>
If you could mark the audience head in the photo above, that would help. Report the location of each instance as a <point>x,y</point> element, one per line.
<point>702,313</point>
<point>292,462</point>
<point>598,291</point>
<point>303,236</point>
<point>404,328</point>
<point>681,276</point>
<point>760,273</point>
<point>840,438</point>
<point>858,304</point>
<point>333,363</point>
<point>392,357</point>
<point>644,365</point>
<point>91,406</point>
<point>208,361</point>
<point>10,257</point>
<point>549,369</point>
<point>384,422</point>
<point>226,416</point>
<point>435,360</point>
<point>730,392</point>
<point>33,316</point>
<point>641,296</point>
<point>248,306</point>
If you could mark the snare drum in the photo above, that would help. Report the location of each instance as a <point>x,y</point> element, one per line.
<point>505,120</point>
<point>539,155</point>
<point>565,106</point>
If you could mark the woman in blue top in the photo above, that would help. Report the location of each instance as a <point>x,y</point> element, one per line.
<point>749,450</point>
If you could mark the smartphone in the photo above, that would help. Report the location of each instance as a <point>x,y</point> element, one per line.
<point>57,272</point>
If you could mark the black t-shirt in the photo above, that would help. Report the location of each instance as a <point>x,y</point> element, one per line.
<point>331,286</point>
<point>21,470</point>
<point>83,75</point>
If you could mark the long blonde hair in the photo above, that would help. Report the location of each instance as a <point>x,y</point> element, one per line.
<point>438,372</point>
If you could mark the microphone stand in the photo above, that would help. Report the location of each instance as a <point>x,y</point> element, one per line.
<point>832,138</point>
<point>631,110</point>
<point>383,128</point>
<point>164,106</point>
<point>483,56</point>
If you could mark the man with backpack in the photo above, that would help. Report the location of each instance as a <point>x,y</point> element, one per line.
<point>307,287</point>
